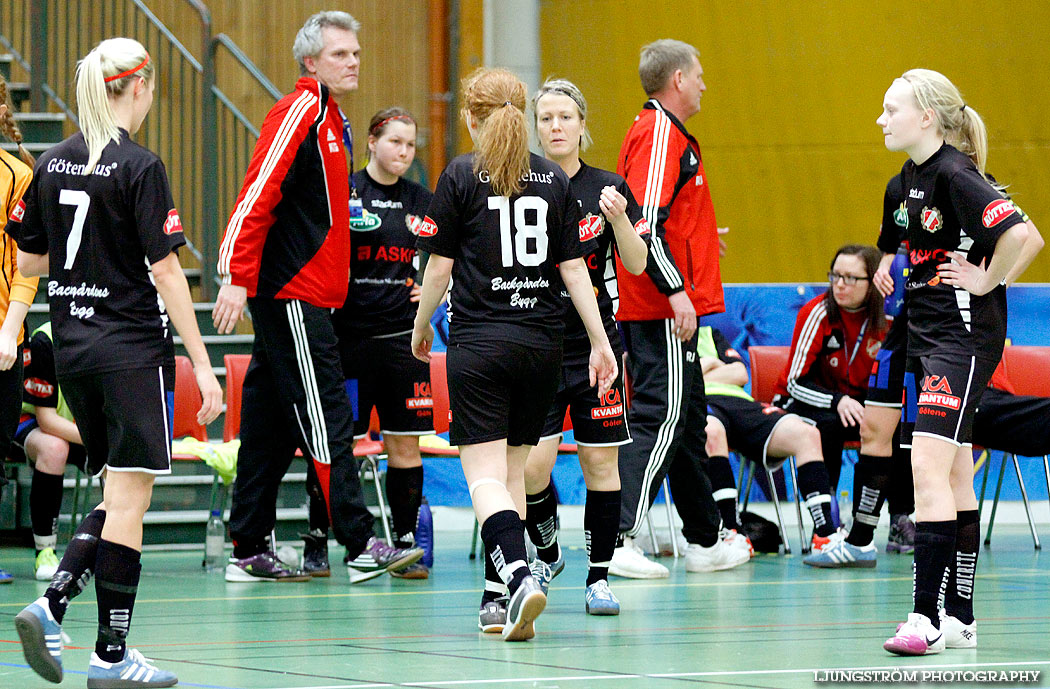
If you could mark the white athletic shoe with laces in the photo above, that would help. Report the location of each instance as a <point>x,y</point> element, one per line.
<point>630,562</point>
<point>717,557</point>
<point>957,634</point>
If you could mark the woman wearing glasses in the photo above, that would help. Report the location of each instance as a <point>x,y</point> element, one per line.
<point>837,335</point>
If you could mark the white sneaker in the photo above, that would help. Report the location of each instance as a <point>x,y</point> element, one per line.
<point>661,548</point>
<point>719,556</point>
<point>630,562</point>
<point>916,637</point>
<point>957,634</point>
<point>737,540</point>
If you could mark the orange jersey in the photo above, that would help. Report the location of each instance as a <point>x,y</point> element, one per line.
<point>14,179</point>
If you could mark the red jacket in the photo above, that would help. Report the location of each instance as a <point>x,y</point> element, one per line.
<point>661,162</point>
<point>829,358</point>
<point>289,234</point>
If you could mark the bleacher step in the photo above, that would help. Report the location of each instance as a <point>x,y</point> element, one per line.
<point>41,126</point>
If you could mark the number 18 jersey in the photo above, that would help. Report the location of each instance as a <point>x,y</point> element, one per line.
<point>102,231</point>
<point>505,279</point>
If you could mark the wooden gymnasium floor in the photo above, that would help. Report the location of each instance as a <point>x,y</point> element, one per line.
<point>767,624</point>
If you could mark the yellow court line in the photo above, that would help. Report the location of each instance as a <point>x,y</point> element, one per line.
<point>364,593</point>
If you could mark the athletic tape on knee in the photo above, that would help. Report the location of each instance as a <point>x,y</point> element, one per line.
<point>484,481</point>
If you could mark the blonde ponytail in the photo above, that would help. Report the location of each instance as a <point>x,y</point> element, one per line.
<point>102,74</point>
<point>496,98</point>
<point>9,126</point>
<point>960,124</point>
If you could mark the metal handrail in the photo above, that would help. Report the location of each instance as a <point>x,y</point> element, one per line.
<point>249,66</point>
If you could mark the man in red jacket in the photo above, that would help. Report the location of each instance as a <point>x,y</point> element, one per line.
<point>287,253</point>
<point>661,162</point>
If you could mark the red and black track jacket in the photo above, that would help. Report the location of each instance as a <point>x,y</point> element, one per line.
<point>289,234</point>
<point>661,162</point>
<point>829,358</point>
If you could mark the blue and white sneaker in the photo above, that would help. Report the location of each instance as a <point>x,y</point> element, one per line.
<point>837,553</point>
<point>131,673</point>
<point>41,639</point>
<point>544,573</point>
<point>600,600</point>
<point>5,576</point>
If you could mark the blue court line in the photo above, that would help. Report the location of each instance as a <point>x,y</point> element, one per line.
<point>82,672</point>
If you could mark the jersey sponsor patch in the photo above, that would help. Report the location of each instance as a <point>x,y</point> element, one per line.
<point>38,387</point>
<point>27,357</point>
<point>19,212</point>
<point>366,222</point>
<point>173,224</point>
<point>900,216</point>
<point>642,227</point>
<point>939,399</point>
<point>413,223</point>
<point>996,211</point>
<point>931,219</point>
<point>428,228</point>
<point>611,404</point>
<point>419,403</point>
<point>590,227</point>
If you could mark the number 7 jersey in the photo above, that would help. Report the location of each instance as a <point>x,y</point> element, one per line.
<point>505,279</point>
<point>102,232</point>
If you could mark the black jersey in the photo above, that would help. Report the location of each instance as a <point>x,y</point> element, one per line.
<point>951,207</point>
<point>598,239</point>
<point>505,280</point>
<point>383,260</point>
<point>102,231</point>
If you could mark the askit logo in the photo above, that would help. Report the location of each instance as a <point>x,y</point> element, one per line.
<point>38,387</point>
<point>19,212</point>
<point>367,222</point>
<point>936,392</point>
<point>611,406</point>
<point>173,224</point>
<point>428,228</point>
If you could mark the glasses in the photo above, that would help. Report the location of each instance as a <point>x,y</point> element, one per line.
<point>846,279</point>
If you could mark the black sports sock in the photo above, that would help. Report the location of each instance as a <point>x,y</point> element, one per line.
<point>318,507</point>
<point>934,547</point>
<point>45,502</point>
<point>813,482</point>
<point>77,565</point>
<point>404,491</point>
<point>723,489</point>
<point>116,585</point>
<point>503,534</point>
<point>900,495</point>
<point>541,520</point>
<point>870,479</point>
<point>601,519</point>
<point>494,586</point>
<point>958,595</point>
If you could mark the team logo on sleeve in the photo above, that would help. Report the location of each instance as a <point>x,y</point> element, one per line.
<point>173,224</point>
<point>19,212</point>
<point>413,222</point>
<point>427,228</point>
<point>38,387</point>
<point>932,220</point>
<point>27,357</point>
<point>591,226</point>
<point>996,211</point>
<point>900,216</point>
<point>642,227</point>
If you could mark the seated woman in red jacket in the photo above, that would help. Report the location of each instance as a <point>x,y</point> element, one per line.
<point>837,335</point>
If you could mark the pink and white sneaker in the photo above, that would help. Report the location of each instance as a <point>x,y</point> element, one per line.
<point>916,637</point>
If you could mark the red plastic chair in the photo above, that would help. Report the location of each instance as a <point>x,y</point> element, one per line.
<point>187,402</point>
<point>767,363</point>
<point>1028,370</point>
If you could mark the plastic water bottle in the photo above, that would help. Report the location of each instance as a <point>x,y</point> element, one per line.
<point>215,543</point>
<point>425,533</point>
<point>899,270</point>
<point>845,510</point>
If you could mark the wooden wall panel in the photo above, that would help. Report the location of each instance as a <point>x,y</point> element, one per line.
<point>796,163</point>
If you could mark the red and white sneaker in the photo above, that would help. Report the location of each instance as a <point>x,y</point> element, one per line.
<point>820,542</point>
<point>737,540</point>
<point>916,637</point>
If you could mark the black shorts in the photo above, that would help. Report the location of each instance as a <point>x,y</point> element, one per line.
<point>886,383</point>
<point>125,418</point>
<point>392,381</point>
<point>1013,423</point>
<point>595,423</point>
<point>941,393</point>
<point>500,390</point>
<point>749,425</point>
<point>28,423</point>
